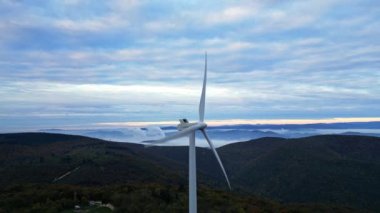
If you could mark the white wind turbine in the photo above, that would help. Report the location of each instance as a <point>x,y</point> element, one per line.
<point>188,129</point>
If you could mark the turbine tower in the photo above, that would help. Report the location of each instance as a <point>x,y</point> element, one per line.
<point>186,129</point>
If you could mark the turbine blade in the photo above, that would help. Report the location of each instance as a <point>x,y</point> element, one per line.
<point>177,135</point>
<point>203,95</point>
<point>217,156</point>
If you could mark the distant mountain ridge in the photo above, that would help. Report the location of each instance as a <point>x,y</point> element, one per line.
<point>228,134</point>
<point>337,125</point>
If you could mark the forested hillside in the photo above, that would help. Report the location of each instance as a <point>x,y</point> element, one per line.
<point>323,172</point>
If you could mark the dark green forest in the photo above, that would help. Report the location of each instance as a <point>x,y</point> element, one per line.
<point>141,198</point>
<point>53,173</point>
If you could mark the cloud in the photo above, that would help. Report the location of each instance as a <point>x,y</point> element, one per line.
<point>91,25</point>
<point>230,15</point>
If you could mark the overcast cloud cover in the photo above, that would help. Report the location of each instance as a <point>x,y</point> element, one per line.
<point>81,62</point>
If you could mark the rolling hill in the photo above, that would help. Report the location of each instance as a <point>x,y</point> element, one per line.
<point>327,169</point>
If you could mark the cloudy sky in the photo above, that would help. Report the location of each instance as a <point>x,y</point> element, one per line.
<point>76,63</point>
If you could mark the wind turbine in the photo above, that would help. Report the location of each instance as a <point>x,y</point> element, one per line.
<point>186,129</point>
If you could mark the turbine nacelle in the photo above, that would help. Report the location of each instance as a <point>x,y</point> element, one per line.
<point>184,124</point>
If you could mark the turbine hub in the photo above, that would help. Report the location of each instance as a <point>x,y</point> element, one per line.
<point>184,124</point>
<point>203,125</point>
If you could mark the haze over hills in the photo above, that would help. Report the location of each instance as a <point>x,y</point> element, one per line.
<point>330,169</point>
<point>227,134</point>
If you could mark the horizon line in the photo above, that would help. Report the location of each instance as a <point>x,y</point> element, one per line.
<point>244,121</point>
<point>224,122</point>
